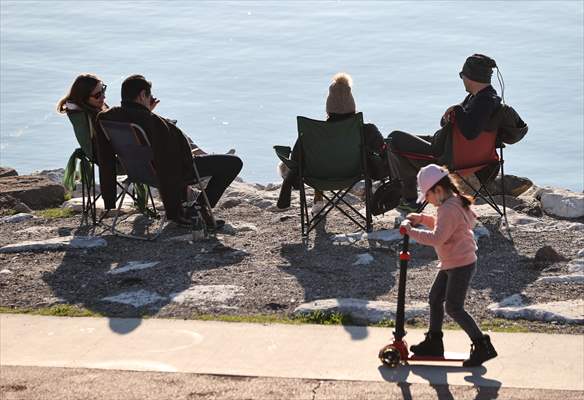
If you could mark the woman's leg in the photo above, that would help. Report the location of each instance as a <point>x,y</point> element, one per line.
<point>456,288</point>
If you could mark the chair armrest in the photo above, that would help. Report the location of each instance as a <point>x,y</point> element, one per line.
<point>283,153</point>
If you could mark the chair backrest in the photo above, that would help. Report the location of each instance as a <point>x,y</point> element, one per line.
<point>331,152</point>
<point>131,146</point>
<point>82,126</point>
<point>469,156</point>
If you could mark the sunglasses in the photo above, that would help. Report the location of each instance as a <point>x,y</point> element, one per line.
<point>98,95</point>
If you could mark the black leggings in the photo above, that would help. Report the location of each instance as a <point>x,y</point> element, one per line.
<point>450,287</point>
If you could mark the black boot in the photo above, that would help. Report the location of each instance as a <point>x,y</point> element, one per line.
<point>431,346</point>
<point>481,350</point>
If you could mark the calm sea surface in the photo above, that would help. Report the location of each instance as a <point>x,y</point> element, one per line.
<point>236,74</point>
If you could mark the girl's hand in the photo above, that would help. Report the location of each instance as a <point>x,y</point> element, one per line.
<point>405,226</point>
<point>415,218</point>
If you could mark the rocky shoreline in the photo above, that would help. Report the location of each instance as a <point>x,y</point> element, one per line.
<point>259,265</point>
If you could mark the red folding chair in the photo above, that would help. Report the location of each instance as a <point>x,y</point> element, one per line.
<point>464,157</point>
<point>478,154</point>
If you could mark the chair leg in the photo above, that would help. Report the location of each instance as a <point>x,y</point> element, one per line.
<point>115,220</point>
<point>368,196</point>
<point>303,210</point>
<point>204,193</point>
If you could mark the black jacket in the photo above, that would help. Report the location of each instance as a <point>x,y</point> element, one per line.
<point>172,155</point>
<point>475,112</point>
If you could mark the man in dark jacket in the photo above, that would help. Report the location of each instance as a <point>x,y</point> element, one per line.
<point>472,117</point>
<point>173,159</point>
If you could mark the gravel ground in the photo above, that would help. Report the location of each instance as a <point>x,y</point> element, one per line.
<point>276,269</point>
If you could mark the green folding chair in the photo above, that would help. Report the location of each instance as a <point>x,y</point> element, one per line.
<point>331,159</point>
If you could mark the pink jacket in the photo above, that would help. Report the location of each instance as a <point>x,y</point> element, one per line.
<point>451,234</point>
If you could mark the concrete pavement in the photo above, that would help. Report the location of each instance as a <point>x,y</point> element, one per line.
<point>282,351</point>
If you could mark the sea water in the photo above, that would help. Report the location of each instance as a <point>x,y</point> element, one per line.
<point>236,74</point>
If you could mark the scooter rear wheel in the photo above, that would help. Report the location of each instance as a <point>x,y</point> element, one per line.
<point>389,356</point>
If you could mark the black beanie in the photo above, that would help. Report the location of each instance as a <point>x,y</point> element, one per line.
<point>478,68</point>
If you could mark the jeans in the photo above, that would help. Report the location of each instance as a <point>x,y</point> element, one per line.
<point>222,169</point>
<point>409,167</point>
<point>450,287</point>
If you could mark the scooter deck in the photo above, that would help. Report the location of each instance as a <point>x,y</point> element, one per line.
<point>448,357</point>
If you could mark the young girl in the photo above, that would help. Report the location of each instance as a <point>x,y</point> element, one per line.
<point>451,236</point>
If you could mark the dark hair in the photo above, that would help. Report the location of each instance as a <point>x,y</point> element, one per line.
<point>133,85</point>
<point>79,93</point>
<point>450,183</point>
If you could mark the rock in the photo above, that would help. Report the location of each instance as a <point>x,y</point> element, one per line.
<point>137,298</point>
<point>480,231</point>
<point>391,235</point>
<point>232,229</point>
<point>361,311</point>
<point>571,278</point>
<point>272,186</point>
<point>580,253</point>
<point>510,201</point>
<point>6,272</point>
<point>364,259</point>
<point>55,175</point>
<point>514,185</point>
<point>55,244</point>
<point>282,218</point>
<point>7,171</point>
<point>8,202</point>
<point>37,192</point>
<point>133,266</point>
<point>229,203</point>
<point>76,204</point>
<point>569,311</point>
<point>530,206</point>
<point>548,255</point>
<point>576,266</point>
<point>563,203</point>
<point>205,294</point>
<point>12,219</point>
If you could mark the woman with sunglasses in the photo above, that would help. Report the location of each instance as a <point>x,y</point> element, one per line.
<point>85,100</point>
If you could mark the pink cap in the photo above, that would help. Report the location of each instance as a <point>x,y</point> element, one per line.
<point>428,177</point>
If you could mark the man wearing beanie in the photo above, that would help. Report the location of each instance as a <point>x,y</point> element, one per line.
<point>472,117</point>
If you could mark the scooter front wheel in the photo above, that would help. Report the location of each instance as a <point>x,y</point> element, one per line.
<point>389,356</point>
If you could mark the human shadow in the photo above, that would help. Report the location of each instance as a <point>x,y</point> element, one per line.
<point>437,377</point>
<point>134,278</point>
<point>500,267</point>
<point>327,270</point>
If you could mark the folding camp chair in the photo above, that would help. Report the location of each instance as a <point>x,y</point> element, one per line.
<point>331,158</point>
<point>464,157</point>
<point>83,128</point>
<point>478,156</point>
<point>132,147</point>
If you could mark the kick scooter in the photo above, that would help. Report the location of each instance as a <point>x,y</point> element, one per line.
<point>397,352</point>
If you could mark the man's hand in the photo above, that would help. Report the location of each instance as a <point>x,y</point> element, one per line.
<point>153,103</point>
<point>197,152</point>
<point>446,116</point>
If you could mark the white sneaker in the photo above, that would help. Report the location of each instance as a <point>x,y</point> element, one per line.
<point>317,207</point>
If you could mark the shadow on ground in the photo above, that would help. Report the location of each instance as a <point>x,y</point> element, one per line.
<point>84,277</point>
<point>437,377</point>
